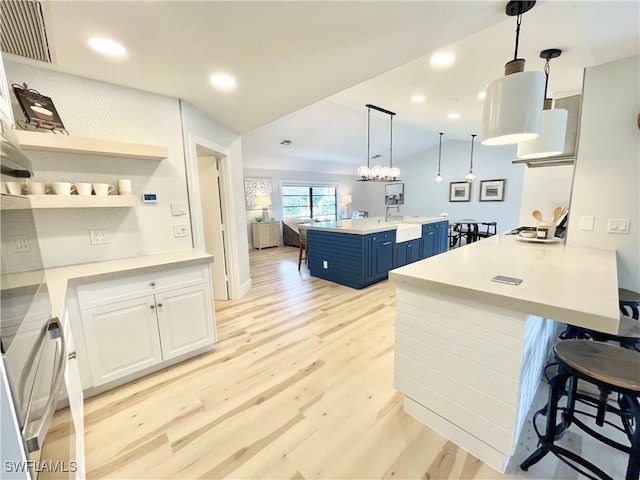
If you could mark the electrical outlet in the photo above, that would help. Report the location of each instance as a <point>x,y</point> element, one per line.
<point>180,230</point>
<point>325,265</point>
<point>99,237</point>
<point>20,243</point>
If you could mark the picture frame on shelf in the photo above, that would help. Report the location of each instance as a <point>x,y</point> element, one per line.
<point>492,190</point>
<point>459,191</point>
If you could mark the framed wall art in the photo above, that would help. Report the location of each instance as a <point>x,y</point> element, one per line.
<point>254,187</point>
<point>492,190</point>
<point>459,191</point>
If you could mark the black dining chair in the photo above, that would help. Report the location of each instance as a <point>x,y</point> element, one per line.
<point>490,229</point>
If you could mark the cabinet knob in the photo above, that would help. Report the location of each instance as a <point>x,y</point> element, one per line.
<point>153,284</point>
<point>153,307</point>
<point>159,305</point>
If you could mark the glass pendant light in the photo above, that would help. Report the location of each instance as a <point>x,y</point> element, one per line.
<point>511,110</point>
<point>554,122</point>
<point>378,173</point>
<point>439,178</point>
<point>470,177</point>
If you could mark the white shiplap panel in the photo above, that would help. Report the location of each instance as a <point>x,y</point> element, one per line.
<point>497,435</point>
<point>473,373</point>
<point>453,336</point>
<point>460,394</point>
<point>496,319</point>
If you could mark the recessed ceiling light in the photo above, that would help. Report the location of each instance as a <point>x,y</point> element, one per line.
<point>106,46</point>
<point>223,81</point>
<point>481,95</point>
<point>453,116</point>
<point>442,59</point>
<point>418,98</point>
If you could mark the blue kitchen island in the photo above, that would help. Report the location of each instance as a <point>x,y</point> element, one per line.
<point>358,253</point>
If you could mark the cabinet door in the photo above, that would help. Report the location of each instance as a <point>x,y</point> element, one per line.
<point>122,338</point>
<point>401,257</point>
<point>382,258</point>
<point>429,241</point>
<point>414,251</point>
<point>274,234</point>
<point>185,320</point>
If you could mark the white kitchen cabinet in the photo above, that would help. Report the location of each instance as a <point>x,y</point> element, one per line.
<point>265,234</point>
<point>182,320</point>
<point>122,338</point>
<point>135,323</point>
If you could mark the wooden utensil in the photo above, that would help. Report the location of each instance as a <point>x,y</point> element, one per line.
<point>537,215</point>
<point>557,213</point>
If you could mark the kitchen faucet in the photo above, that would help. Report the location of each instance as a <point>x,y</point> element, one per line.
<point>387,215</point>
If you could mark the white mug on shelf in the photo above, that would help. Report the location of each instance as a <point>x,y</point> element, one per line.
<point>83,188</point>
<point>62,188</point>
<point>15,188</point>
<point>124,186</point>
<point>102,188</point>
<point>36,188</point>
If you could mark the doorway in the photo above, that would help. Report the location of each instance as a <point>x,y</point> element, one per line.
<point>213,221</point>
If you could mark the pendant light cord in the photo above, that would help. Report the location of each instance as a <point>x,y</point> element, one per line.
<point>440,152</point>
<point>391,142</point>
<point>518,22</point>
<point>547,69</point>
<point>473,137</point>
<point>368,135</point>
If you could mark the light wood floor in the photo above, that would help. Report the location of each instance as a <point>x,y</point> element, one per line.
<point>298,386</point>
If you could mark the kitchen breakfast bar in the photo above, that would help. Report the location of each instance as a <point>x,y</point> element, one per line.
<point>469,352</point>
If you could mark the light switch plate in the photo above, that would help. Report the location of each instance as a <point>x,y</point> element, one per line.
<point>180,230</point>
<point>177,208</point>
<point>618,225</point>
<point>586,223</point>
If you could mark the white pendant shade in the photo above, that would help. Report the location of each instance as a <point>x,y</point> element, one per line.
<point>512,109</point>
<point>551,139</point>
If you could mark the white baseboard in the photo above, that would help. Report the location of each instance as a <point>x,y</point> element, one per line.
<point>244,289</point>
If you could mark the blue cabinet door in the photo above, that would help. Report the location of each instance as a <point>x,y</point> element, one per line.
<point>429,241</point>
<point>379,255</point>
<point>414,250</point>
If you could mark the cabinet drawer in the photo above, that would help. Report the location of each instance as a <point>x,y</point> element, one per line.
<point>102,293</point>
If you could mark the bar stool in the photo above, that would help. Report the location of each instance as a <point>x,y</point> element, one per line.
<point>611,369</point>
<point>628,335</point>
<point>629,303</point>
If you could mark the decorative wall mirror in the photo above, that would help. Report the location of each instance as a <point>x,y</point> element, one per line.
<point>394,194</point>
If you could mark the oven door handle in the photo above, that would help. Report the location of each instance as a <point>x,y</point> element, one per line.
<point>35,440</point>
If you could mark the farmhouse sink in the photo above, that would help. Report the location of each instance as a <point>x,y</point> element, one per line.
<point>408,231</point>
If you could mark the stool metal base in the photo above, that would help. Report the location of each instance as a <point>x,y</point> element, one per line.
<point>559,419</point>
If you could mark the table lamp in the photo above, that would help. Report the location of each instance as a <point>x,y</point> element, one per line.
<point>264,201</point>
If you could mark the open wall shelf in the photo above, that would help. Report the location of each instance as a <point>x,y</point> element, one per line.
<point>59,143</point>
<point>83,201</point>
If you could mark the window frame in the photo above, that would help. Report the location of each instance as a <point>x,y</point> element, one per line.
<point>310,186</point>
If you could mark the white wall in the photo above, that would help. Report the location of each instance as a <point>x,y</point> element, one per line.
<point>345,183</point>
<point>607,170</point>
<point>543,189</point>
<point>95,109</point>
<point>200,125</point>
<point>424,197</point>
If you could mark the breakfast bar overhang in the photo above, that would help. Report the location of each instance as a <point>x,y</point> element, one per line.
<point>469,352</point>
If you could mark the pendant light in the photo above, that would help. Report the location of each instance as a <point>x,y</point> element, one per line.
<point>511,110</point>
<point>439,178</point>
<point>470,177</point>
<point>554,122</point>
<point>378,173</point>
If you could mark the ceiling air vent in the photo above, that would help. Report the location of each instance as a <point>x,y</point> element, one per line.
<point>23,30</point>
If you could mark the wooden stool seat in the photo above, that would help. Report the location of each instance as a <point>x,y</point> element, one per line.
<point>606,363</point>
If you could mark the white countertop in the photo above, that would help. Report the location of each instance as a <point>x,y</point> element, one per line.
<point>572,285</point>
<point>364,226</point>
<point>58,278</point>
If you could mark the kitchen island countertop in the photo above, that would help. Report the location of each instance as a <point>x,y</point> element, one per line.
<point>364,226</point>
<point>577,286</point>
